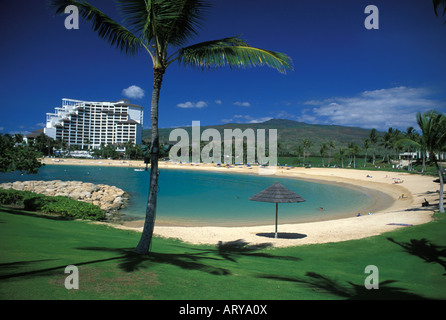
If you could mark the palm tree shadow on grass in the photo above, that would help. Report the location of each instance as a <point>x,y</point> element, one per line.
<point>127,259</point>
<point>130,261</point>
<point>232,250</point>
<point>195,259</point>
<point>425,250</point>
<point>353,291</point>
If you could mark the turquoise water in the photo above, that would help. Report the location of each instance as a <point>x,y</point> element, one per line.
<point>212,198</point>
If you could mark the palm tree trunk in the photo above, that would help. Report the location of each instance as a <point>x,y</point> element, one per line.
<point>365,159</point>
<point>145,242</point>
<point>440,175</point>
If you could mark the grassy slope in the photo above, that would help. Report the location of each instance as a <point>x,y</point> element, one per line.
<point>290,133</point>
<point>35,250</point>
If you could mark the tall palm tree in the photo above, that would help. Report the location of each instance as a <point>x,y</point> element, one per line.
<point>306,145</point>
<point>323,152</point>
<point>330,146</point>
<point>373,137</point>
<point>342,152</point>
<point>162,28</point>
<point>366,145</point>
<point>353,149</point>
<point>433,130</point>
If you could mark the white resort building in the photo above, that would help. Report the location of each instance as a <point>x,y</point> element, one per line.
<point>90,124</point>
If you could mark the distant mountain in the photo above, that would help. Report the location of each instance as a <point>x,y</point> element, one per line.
<point>290,133</point>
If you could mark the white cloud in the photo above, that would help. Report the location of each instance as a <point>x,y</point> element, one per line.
<point>246,119</point>
<point>190,105</point>
<point>242,104</point>
<point>133,92</point>
<point>218,101</point>
<point>380,109</point>
<point>23,132</point>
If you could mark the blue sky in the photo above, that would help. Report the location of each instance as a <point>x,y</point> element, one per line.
<point>343,73</point>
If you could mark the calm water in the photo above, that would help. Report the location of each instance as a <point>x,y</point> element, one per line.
<point>218,198</point>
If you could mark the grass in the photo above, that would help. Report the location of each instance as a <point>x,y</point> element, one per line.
<point>35,249</point>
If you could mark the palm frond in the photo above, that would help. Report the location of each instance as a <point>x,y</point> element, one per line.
<point>135,14</point>
<point>187,17</point>
<point>172,22</point>
<point>437,4</point>
<point>107,28</point>
<point>232,52</point>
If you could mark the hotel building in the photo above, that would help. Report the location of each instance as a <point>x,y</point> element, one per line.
<point>90,124</point>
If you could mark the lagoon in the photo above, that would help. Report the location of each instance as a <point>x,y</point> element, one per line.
<point>197,198</point>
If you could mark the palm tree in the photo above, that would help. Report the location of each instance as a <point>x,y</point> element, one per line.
<point>323,152</point>
<point>306,145</point>
<point>366,144</point>
<point>330,146</point>
<point>433,130</point>
<point>156,27</point>
<point>353,149</point>
<point>410,142</point>
<point>300,151</point>
<point>18,138</point>
<point>373,137</point>
<point>342,152</point>
<point>389,141</point>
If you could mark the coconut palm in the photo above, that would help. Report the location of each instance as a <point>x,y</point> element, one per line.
<point>433,130</point>
<point>373,137</point>
<point>366,145</point>
<point>342,152</point>
<point>323,152</point>
<point>306,144</point>
<point>162,28</point>
<point>353,149</point>
<point>330,146</point>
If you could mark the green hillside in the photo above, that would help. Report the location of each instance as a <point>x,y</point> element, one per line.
<point>290,133</point>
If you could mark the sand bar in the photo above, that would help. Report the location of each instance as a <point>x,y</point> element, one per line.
<point>405,210</point>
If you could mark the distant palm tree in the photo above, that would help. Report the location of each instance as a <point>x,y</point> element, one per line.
<point>306,145</point>
<point>323,152</point>
<point>373,137</point>
<point>330,146</point>
<point>155,27</point>
<point>366,145</point>
<point>342,152</point>
<point>433,130</point>
<point>353,149</point>
<point>18,138</point>
<point>410,142</point>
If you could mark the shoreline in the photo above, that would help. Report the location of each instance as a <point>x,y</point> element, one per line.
<point>395,209</point>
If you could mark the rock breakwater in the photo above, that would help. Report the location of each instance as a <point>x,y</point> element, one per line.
<point>108,198</point>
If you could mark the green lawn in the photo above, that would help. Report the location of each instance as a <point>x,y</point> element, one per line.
<point>35,250</point>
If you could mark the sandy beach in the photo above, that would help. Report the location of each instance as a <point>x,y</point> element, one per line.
<point>407,192</point>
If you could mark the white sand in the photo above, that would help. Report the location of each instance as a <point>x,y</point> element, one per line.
<point>405,210</point>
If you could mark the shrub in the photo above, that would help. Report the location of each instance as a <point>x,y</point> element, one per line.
<point>64,206</point>
<point>35,202</point>
<point>11,196</point>
<point>72,208</point>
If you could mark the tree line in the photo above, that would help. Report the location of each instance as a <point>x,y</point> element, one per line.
<point>388,146</point>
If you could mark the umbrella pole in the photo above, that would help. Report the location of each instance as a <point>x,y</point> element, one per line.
<point>277,209</point>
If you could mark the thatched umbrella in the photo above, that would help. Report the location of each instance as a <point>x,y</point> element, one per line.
<point>279,194</point>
